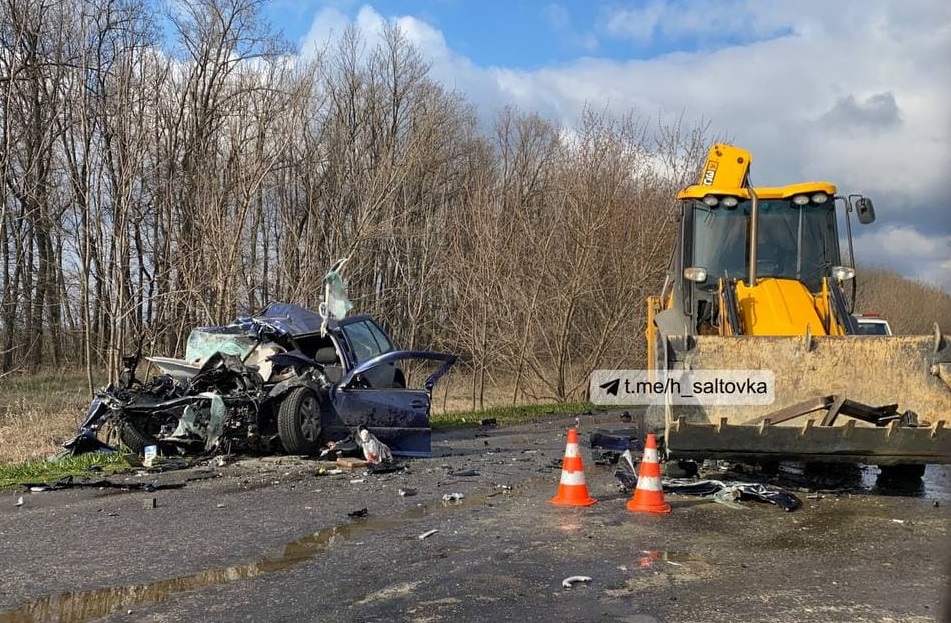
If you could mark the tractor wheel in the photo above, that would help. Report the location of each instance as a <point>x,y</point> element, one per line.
<point>903,472</point>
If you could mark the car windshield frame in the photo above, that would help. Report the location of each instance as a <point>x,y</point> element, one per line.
<point>794,242</point>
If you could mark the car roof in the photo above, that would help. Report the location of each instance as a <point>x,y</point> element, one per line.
<point>291,319</point>
<point>298,321</point>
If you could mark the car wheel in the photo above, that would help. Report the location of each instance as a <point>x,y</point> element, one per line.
<point>134,439</point>
<point>298,422</point>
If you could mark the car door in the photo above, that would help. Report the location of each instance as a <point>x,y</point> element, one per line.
<point>398,416</point>
<point>365,340</point>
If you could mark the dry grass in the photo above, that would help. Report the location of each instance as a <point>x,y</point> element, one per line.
<point>38,413</point>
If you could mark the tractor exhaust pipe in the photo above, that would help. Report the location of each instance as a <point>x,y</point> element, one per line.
<point>754,234</point>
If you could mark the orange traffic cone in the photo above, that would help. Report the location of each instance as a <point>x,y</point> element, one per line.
<point>649,494</point>
<point>572,490</point>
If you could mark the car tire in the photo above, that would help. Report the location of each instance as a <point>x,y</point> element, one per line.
<point>134,439</point>
<point>298,422</point>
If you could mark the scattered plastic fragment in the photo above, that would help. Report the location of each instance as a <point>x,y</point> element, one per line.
<point>730,493</point>
<point>575,579</point>
<point>766,493</point>
<point>627,479</point>
<point>726,498</point>
<point>452,497</point>
<point>385,468</point>
<point>358,513</point>
<point>20,501</point>
<point>407,492</point>
<point>466,472</point>
<point>607,446</point>
<point>151,456</point>
<point>427,534</point>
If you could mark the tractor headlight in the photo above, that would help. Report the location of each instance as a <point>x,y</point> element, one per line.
<point>843,273</point>
<point>696,273</point>
<point>819,198</point>
<point>800,200</point>
<point>728,202</point>
<point>711,201</point>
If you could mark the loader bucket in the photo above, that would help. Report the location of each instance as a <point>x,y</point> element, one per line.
<point>873,399</point>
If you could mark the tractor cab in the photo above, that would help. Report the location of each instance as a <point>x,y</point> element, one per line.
<point>783,240</point>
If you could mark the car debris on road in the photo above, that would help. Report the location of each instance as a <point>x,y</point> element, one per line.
<point>575,579</point>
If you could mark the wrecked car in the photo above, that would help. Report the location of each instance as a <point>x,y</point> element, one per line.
<point>287,379</point>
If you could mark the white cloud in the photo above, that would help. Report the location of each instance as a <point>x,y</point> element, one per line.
<point>328,25</point>
<point>907,251</point>
<point>637,24</point>
<point>701,21</point>
<point>853,91</point>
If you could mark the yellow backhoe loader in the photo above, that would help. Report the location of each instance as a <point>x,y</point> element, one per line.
<point>757,283</point>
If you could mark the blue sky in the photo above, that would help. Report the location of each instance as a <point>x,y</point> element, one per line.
<point>531,35</point>
<point>851,91</point>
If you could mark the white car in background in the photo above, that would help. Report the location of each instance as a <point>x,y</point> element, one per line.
<point>872,324</point>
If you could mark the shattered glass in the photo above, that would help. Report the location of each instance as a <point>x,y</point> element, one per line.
<point>336,304</point>
<point>206,341</point>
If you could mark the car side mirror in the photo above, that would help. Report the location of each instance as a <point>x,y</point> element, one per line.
<point>865,210</point>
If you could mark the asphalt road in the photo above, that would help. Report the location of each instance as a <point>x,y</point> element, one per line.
<point>271,540</point>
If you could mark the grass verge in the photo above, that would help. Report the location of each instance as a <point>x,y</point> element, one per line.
<point>507,415</point>
<point>92,465</point>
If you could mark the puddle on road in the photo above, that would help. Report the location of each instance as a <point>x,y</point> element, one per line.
<point>80,606</point>
<point>934,485</point>
<point>648,558</point>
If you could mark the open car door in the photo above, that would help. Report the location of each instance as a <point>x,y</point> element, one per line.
<point>397,416</point>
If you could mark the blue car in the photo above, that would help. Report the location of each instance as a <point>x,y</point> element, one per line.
<point>287,379</point>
